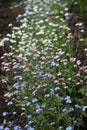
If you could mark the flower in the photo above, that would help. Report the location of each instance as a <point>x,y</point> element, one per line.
<point>51,91</point>
<point>17,128</point>
<point>64,110</point>
<point>5,113</point>
<point>4,81</point>
<point>41,73</point>
<point>34,100</point>
<point>71,109</point>
<point>57,89</point>
<point>85,49</point>
<point>68,100</point>
<point>43,105</point>
<point>60,127</point>
<point>46,48</point>
<point>29,116</point>
<point>78,62</point>
<point>30,128</point>
<point>1,127</point>
<point>28,103</point>
<point>10,103</point>
<point>47,95</point>
<point>77,106</point>
<point>52,123</point>
<point>69,127</point>
<point>84,108</point>
<point>38,110</point>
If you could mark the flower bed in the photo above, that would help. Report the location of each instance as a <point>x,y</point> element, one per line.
<point>46,81</point>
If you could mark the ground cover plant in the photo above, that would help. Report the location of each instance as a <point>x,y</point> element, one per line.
<point>44,77</point>
<point>82,7</point>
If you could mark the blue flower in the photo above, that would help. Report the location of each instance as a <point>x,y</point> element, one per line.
<point>38,110</point>
<point>34,100</point>
<point>18,66</point>
<point>30,122</point>
<point>28,103</point>
<point>51,91</point>
<point>37,65</point>
<point>17,85</point>
<point>35,91</point>
<point>17,128</point>
<point>1,127</point>
<point>77,106</point>
<point>68,100</point>
<point>52,123</point>
<point>75,121</point>
<point>51,109</point>
<point>43,105</point>
<point>41,124</point>
<point>37,106</point>
<point>16,77</point>
<point>10,103</point>
<point>64,110</point>
<point>84,108</point>
<point>69,127</point>
<point>5,113</point>
<point>53,64</point>
<point>35,55</point>
<point>67,16</point>
<point>29,116</point>
<point>41,73</point>
<point>30,128</point>
<point>49,61</point>
<point>71,109</point>
<point>46,48</point>
<point>57,88</point>
<point>75,3</point>
<point>47,95</point>
<point>60,127</point>
<point>16,91</point>
<point>9,124</point>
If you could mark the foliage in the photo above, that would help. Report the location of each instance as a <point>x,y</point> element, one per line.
<point>82,7</point>
<point>44,76</point>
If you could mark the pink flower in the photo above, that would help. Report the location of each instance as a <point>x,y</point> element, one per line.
<point>14,113</point>
<point>59,74</point>
<point>78,83</point>
<point>78,62</point>
<point>85,49</point>
<point>69,78</point>
<point>72,59</point>
<point>65,87</point>
<point>81,40</point>
<point>4,81</point>
<point>7,70</point>
<point>7,94</point>
<point>85,70</point>
<point>56,81</point>
<point>78,74</point>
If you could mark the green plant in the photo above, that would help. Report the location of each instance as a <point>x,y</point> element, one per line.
<point>46,74</point>
<point>82,7</point>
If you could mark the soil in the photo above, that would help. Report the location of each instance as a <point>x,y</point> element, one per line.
<point>8,15</point>
<point>76,18</point>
